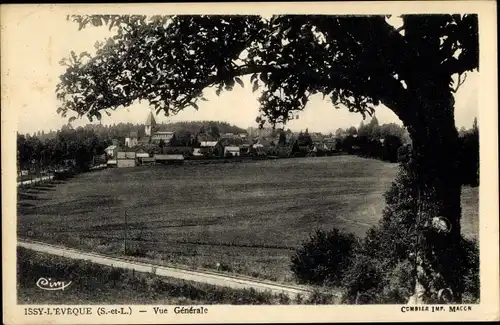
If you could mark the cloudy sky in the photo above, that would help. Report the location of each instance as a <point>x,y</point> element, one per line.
<point>37,40</point>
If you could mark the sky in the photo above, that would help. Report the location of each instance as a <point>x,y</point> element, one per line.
<point>38,40</point>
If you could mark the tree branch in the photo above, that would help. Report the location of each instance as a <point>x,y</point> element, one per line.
<point>460,82</point>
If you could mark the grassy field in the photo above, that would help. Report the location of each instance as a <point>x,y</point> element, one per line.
<point>96,284</point>
<point>249,217</point>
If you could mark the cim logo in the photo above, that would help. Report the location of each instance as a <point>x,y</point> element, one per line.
<point>51,285</point>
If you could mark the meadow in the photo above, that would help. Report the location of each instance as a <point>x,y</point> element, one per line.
<point>245,217</point>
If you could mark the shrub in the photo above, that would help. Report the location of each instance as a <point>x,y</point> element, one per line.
<point>364,277</point>
<point>320,298</point>
<point>323,258</point>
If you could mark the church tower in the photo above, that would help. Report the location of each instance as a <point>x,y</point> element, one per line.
<point>150,124</point>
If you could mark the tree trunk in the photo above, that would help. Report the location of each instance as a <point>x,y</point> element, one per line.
<point>435,162</point>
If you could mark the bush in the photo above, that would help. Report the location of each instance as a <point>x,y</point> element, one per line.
<point>362,277</point>
<point>323,258</point>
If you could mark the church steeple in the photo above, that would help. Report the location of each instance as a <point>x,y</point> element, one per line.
<point>150,124</point>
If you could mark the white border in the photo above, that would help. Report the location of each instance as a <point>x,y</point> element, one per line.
<point>488,309</point>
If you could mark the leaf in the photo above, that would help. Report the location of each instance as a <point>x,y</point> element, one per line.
<point>238,80</point>
<point>255,86</point>
<point>195,106</point>
<point>204,99</point>
<point>71,119</point>
<point>83,54</point>
<point>217,92</point>
<point>253,77</point>
<point>263,77</point>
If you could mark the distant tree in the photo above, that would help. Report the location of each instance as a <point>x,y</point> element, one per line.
<point>282,138</point>
<point>374,128</point>
<point>182,138</point>
<point>352,131</point>
<point>305,139</point>
<point>475,127</point>
<point>462,131</point>
<point>214,131</point>
<point>339,132</point>
<point>362,130</point>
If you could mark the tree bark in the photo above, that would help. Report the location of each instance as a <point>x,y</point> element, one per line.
<point>435,162</point>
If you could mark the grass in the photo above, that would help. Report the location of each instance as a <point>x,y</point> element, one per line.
<point>96,284</point>
<point>247,216</point>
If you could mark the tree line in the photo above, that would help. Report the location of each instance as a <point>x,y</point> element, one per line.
<point>79,148</point>
<point>391,142</point>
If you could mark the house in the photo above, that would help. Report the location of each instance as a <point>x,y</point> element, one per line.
<point>143,141</point>
<point>245,148</point>
<point>169,158</point>
<point>231,141</point>
<point>166,136</point>
<point>111,151</point>
<point>122,163</point>
<point>142,156</point>
<point>197,152</point>
<point>233,151</point>
<point>125,159</point>
<point>207,143</point>
<point>146,161</point>
<point>131,140</point>
<point>264,143</point>
<point>330,143</point>
<point>111,163</point>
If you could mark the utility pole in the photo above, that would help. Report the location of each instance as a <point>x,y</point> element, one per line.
<point>125,232</point>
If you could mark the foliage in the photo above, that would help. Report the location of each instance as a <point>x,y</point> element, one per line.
<point>169,60</point>
<point>80,146</point>
<point>324,258</point>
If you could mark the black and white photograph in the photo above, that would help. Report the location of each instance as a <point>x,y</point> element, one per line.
<point>167,163</point>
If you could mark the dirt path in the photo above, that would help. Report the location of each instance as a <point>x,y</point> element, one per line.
<point>212,278</point>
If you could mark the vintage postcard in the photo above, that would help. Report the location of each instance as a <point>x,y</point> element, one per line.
<point>249,162</point>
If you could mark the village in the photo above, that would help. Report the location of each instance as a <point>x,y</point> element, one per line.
<point>164,147</point>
